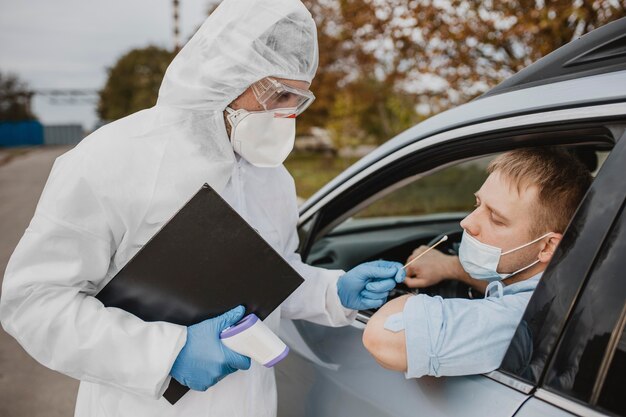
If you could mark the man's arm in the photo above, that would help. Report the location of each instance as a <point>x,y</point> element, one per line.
<point>434,267</point>
<point>387,347</point>
<point>436,336</point>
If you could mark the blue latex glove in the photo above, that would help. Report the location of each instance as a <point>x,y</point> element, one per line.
<point>204,360</point>
<point>367,285</point>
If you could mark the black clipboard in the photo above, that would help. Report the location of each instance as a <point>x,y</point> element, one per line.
<point>203,262</point>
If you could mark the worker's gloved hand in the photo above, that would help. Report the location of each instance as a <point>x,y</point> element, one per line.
<point>204,360</point>
<point>367,285</point>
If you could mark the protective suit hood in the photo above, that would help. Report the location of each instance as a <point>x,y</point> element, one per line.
<point>241,42</point>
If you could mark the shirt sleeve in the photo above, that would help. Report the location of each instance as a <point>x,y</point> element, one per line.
<point>47,299</point>
<point>458,336</point>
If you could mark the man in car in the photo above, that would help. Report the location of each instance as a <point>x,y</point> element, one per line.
<point>522,210</point>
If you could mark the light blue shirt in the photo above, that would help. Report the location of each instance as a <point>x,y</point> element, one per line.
<point>457,336</point>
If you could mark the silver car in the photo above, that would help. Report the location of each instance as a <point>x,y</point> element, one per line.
<point>568,356</point>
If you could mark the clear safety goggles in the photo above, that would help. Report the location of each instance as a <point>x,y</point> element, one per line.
<point>272,94</point>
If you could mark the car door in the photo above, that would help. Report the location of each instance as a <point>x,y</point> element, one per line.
<point>330,373</point>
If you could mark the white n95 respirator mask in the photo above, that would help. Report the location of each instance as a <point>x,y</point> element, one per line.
<point>481,261</point>
<point>263,138</point>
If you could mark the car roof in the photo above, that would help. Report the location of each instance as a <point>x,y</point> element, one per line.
<point>528,95</point>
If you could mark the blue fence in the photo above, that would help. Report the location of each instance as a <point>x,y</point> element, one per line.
<point>21,133</point>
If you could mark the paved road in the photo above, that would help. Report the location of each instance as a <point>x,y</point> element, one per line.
<point>27,389</point>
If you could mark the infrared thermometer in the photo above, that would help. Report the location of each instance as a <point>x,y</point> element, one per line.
<point>252,338</point>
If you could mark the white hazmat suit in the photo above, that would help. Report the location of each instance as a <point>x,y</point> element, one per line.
<point>105,198</point>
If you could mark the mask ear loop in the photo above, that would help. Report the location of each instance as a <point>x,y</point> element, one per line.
<point>234,117</point>
<point>229,117</point>
<point>526,244</point>
<point>233,121</point>
<point>520,270</point>
<point>520,247</point>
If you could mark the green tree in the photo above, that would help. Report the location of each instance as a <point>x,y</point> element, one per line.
<point>15,99</point>
<point>133,82</point>
<point>368,111</point>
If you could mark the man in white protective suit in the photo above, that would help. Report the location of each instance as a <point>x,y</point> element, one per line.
<point>225,116</point>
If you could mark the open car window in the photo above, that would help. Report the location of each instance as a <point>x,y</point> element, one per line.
<point>447,190</point>
<point>410,213</point>
<point>450,189</point>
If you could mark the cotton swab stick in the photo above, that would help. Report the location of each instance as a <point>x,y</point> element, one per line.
<point>443,239</point>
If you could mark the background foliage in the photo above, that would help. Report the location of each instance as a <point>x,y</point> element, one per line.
<point>15,97</point>
<point>133,82</point>
<point>387,64</point>
<point>424,56</point>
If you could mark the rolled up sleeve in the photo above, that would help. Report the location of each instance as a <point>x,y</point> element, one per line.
<point>458,336</point>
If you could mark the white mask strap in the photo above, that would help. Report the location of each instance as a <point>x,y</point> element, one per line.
<point>520,270</point>
<point>234,116</point>
<point>526,244</point>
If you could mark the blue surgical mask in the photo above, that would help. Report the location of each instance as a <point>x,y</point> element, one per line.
<point>481,261</point>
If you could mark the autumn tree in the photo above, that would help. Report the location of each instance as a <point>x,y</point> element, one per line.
<point>432,53</point>
<point>384,65</point>
<point>352,102</point>
<point>133,82</point>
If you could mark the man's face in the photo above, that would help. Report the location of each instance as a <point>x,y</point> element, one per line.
<point>504,218</point>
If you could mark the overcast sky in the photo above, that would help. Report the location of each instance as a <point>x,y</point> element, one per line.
<point>70,43</point>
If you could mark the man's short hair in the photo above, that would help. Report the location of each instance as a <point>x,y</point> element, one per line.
<point>561,178</point>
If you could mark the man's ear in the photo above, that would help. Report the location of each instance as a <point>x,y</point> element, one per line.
<point>549,247</point>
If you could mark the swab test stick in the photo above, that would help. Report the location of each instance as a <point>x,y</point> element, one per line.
<point>443,239</point>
